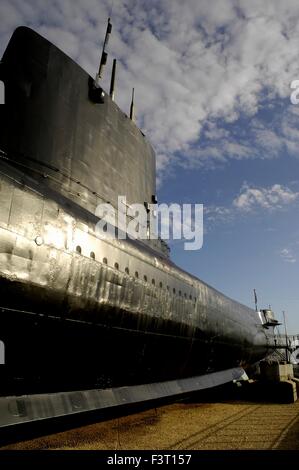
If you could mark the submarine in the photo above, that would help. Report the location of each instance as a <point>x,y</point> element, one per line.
<point>79,312</point>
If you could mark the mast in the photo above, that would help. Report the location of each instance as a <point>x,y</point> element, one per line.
<point>112,83</point>
<point>104,53</point>
<point>132,107</point>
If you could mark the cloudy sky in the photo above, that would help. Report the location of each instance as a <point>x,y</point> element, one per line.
<point>212,81</point>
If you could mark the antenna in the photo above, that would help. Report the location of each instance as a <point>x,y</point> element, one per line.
<point>255,299</point>
<point>112,83</point>
<point>104,53</point>
<point>132,108</point>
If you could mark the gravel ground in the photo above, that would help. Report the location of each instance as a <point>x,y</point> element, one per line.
<point>223,425</point>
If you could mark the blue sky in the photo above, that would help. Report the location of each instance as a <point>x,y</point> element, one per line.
<point>212,81</point>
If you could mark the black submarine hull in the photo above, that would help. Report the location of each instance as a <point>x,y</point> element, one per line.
<point>78,311</point>
<point>70,321</point>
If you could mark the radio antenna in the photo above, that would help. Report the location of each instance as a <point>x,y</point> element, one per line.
<point>104,53</point>
<point>132,108</point>
<point>255,299</point>
<point>112,83</point>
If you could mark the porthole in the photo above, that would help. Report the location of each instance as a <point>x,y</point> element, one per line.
<point>39,240</point>
<point>78,250</point>
<point>105,261</point>
<point>92,255</point>
<point>127,271</point>
<point>136,274</point>
<point>116,265</point>
<point>153,282</point>
<point>145,278</point>
<point>161,285</point>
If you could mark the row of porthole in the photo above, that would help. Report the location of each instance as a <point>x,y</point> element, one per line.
<point>127,271</point>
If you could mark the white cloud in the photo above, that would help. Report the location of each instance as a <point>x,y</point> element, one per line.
<point>287,255</point>
<point>250,202</point>
<point>269,141</point>
<point>215,215</point>
<point>271,198</point>
<point>194,64</point>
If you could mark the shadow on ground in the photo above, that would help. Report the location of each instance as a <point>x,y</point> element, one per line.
<point>251,391</point>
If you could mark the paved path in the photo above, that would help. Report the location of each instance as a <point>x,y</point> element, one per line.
<point>217,426</point>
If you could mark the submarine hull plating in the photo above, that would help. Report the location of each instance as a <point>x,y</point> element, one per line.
<point>78,311</point>
<point>70,321</point>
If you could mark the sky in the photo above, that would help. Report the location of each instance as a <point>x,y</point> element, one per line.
<point>212,87</point>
